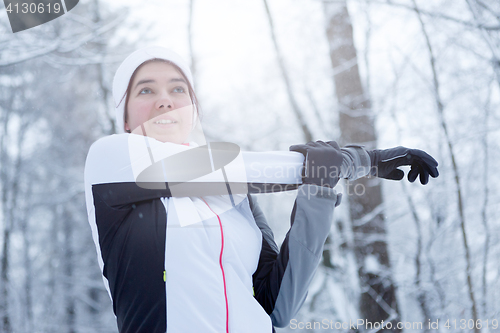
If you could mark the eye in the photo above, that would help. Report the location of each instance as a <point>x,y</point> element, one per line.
<point>145,91</point>
<point>179,90</point>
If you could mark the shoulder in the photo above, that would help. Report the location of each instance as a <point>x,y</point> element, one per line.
<point>110,147</point>
<point>107,158</point>
<point>108,142</point>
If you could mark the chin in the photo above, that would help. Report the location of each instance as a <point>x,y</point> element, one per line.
<point>163,138</point>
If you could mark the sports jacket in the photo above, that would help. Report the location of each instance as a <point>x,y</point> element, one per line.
<point>221,273</point>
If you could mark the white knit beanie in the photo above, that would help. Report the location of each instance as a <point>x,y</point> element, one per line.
<point>127,68</point>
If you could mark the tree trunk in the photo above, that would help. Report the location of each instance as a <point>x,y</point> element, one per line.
<point>484,210</point>
<point>378,297</point>
<point>193,65</point>
<point>68,271</point>
<point>28,271</point>
<point>308,136</point>
<point>4,282</point>
<point>6,186</point>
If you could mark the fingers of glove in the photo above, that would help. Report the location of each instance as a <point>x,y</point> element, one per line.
<point>424,177</point>
<point>412,175</point>
<point>424,171</point>
<point>395,174</point>
<point>299,148</point>
<point>417,169</point>
<point>434,173</point>
<point>334,144</point>
<point>321,144</point>
<point>428,169</point>
<point>431,170</point>
<point>336,154</point>
<point>304,148</point>
<point>403,156</point>
<point>422,155</point>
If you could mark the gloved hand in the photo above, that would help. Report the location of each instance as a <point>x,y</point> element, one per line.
<point>322,162</point>
<point>385,164</point>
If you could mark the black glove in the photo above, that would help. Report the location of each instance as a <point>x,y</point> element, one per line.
<point>322,162</point>
<point>385,163</point>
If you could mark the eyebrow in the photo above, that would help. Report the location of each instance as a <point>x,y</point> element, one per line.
<point>152,81</point>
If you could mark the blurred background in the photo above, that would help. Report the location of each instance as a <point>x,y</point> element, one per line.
<point>269,74</point>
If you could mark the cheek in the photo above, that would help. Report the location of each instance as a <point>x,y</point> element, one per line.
<point>187,116</point>
<point>138,112</point>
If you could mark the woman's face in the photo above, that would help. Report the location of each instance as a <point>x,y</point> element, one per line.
<point>159,100</point>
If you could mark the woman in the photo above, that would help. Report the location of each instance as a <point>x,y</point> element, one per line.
<point>180,253</point>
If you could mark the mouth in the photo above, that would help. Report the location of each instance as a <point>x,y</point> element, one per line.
<point>165,121</point>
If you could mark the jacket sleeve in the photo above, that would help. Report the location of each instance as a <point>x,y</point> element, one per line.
<point>127,168</point>
<point>124,169</point>
<point>109,173</point>
<point>282,277</point>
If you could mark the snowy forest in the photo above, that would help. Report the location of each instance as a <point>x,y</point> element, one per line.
<point>270,74</point>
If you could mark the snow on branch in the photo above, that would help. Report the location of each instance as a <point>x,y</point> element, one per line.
<point>63,45</point>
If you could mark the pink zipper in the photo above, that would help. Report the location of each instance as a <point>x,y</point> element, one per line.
<point>220,263</point>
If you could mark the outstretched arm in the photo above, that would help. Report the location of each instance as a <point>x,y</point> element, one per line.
<point>115,163</point>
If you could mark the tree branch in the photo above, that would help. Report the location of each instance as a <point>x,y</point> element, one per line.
<point>429,13</point>
<point>295,106</point>
<point>440,108</point>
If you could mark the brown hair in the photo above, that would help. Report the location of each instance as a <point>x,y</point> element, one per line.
<point>192,94</point>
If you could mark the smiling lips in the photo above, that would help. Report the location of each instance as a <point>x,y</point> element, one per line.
<point>165,121</point>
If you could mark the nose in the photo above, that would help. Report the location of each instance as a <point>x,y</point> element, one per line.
<point>164,103</point>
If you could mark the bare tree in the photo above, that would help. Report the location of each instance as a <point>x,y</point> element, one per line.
<point>194,65</point>
<point>440,109</point>
<point>10,177</point>
<point>422,297</point>
<point>47,106</point>
<point>484,210</point>
<point>308,135</point>
<point>378,299</point>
